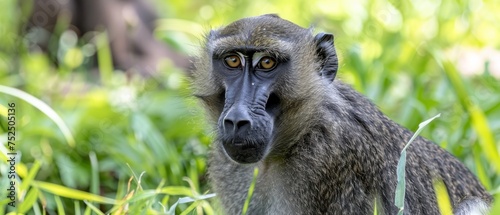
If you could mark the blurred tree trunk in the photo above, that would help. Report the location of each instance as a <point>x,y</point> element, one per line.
<point>129,24</point>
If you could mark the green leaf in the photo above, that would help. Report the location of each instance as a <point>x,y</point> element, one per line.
<point>29,200</point>
<point>60,190</point>
<point>31,175</point>
<point>401,186</point>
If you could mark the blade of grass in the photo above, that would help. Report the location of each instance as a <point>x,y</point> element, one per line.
<point>207,208</point>
<point>31,175</point>
<point>88,211</point>
<point>401,186</point>
<point>201,197</point>
<point>77,208</point>
<point>60,207</point>
<point>250,191</point>
<point>481,172</point>
<point>94,185</point>
<point>176,190</point>
<point>29,201</point>
<point>44,108</point>
<point>443,199</point>
<point>36,208</point>
<point>71,193</point>
<point>3,110</point>
<point>93,208</point>
<point>123,206</point>
<point>190,208</point>
<point>136,178</point>
<point>193,173</point>
<point>187,200</point>
<point>94,181</point>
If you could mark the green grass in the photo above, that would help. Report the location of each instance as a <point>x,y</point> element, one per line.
<point>250,191</point>
<point>116,144</point>
<point>399,199</point>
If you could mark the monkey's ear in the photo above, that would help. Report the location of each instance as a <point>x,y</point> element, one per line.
<point>327,56</point>
<point>211,34</point>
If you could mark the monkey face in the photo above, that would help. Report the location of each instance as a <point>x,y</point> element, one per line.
<point>246,124</point>
<point>256,77</point>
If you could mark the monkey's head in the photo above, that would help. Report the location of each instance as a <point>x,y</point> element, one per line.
<point>256,76</point>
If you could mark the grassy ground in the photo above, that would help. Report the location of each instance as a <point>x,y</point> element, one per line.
<point>110,144</point>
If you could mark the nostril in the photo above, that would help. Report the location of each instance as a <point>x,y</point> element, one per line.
<point>243,124</point>
<point>228,125</point>
<point>237,120</point>
<point>240,125</point>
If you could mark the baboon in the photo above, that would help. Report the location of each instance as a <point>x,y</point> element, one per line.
<point>269,89</point>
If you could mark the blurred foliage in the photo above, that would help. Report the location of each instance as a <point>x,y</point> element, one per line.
<point>140,144</point>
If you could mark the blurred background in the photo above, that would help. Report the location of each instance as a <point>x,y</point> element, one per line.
<point>104,118</point>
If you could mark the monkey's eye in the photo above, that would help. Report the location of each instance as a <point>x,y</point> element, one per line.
<point>232,61</point>
<point>266,63</point>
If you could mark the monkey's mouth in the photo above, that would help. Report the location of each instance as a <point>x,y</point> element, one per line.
<point>243,151</point>
<point>242,143</point>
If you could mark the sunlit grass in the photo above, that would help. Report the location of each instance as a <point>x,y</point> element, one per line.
<point>442,198</point>
<point>123,144</point>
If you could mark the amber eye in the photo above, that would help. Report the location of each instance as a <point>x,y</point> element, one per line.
<point>233,61</point>
<point>267,63</point>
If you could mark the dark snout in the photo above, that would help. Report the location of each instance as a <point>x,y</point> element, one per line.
<point>237,121</point>
<point>242,138</point>
<point>246,123</point>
